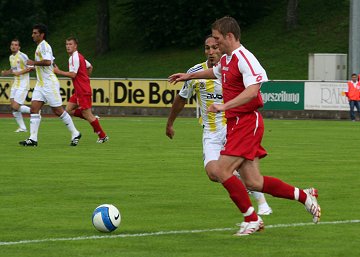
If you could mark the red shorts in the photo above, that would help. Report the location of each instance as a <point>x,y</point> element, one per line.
<point>84,102</point>
<point>244,135</point>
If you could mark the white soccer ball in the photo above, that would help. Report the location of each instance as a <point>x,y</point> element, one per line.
<point>106,218</point>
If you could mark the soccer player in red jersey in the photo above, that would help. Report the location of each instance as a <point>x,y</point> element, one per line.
<point>242,75</point>
<point>214,125</point>
<point>80,102</point>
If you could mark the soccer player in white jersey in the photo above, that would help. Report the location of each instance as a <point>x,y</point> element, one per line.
<point>21,84</point>
<point>209,91</point>
<point>47,89</point>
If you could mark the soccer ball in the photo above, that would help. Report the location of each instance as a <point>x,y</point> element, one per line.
<point>106,218</point>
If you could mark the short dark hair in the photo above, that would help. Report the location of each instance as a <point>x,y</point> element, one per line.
<point>42,28</point>
<point>73,39</point>
<point>208,36</point>
<point>354,74</point>
<point>226,25</point>
<point>16,40</point>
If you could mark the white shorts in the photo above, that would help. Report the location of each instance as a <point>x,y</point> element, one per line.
<point>213,143</point>
<point>19,94</point>
<point>49,93</point>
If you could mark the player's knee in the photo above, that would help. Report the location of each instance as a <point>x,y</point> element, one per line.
<point>34,110</point>
<point>211,171</point>
<point>15,106</point>
<point>58,111</point>
<point>212,178</point>
<point>253,185</point>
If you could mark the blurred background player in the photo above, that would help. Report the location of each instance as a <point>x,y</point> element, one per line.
<point>80,102</point>
<point>353,95</point>
<point>209,91</point>
<point>47,89</point>
<point>21,84</point>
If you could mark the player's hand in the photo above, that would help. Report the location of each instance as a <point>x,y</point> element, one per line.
<point>216,108</point>
<point>30,63</point>
<point>56,69</point>
<point>174,78</point>
<point>170,132</point>
<point>28,69</point>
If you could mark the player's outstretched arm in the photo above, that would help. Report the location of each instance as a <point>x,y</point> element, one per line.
<point>6,72</point>
<point>174,78</point>
<point>205,74</point>
<point>23,71</point>
<point>38,63</point>
<point>64,73</point>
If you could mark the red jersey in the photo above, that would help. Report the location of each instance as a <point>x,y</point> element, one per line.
<point>78,64</point>
<point>238,71</point>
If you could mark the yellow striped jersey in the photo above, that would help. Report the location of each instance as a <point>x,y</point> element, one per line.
<point>18,63</point>
<point>45,74</point>
<point>208,91</point>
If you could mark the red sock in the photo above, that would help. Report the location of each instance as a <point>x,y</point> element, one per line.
<point>240,197</point>
<point>78,113</point>
<point>97,128</point>
<point>278,188</point>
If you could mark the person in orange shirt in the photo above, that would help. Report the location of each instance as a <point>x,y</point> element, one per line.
<point>353,95</point>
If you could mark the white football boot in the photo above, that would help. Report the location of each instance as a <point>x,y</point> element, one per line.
<point>248,228</point>
<point>312,205</point>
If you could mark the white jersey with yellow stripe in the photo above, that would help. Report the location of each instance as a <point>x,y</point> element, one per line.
<point>208,91</point>
<point>45,74</point>
<point>18,63</point>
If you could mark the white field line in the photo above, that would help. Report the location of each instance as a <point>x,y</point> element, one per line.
<point>159,233</point>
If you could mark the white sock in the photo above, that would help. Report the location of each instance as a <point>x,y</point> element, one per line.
<point>24,109</point>
<point>66,118</point>
<point>19,120</point>
<point>249,211</point>
<point>260,198</point>
<point>35,120</point>
<point>264,205</point>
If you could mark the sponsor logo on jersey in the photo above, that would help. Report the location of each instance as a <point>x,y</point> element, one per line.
<point>214,96</point>
<point>202,85</point>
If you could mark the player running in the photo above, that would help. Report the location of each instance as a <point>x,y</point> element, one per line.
<point>80,102</point>
<point>209,91</point>
<point>241,76</point>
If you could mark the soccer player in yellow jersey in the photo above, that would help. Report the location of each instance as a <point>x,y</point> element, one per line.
<point>47,89</point>
<point>21,84</point>
<point>209,91</point>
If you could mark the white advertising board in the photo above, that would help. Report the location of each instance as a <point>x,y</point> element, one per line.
<point>325,96</point>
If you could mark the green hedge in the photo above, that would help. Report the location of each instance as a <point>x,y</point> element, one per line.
<point>185,23</point>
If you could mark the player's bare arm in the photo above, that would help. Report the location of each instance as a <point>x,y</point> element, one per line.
<point>89,67</point>
<point>38,63</point>
<point>89,70</point>
<point>64,73</point>
<point>205,74</point>
<point>246,96</point>
<point>174,78</point>
<point>23,71</point>
<point>176,108</point>
<point>6,72</point>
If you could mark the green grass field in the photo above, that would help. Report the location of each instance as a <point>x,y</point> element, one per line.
<point>168,206</point>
